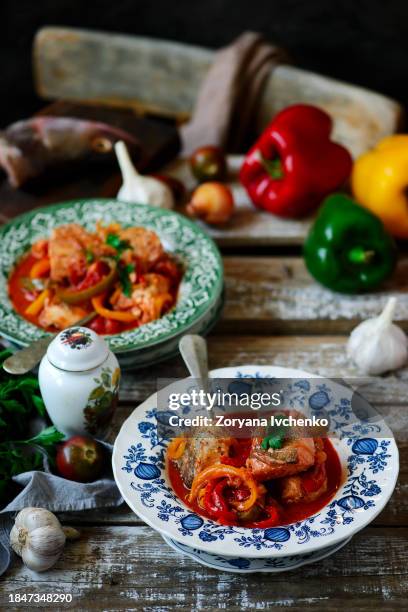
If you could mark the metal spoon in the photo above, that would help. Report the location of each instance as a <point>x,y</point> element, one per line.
<point>193,350</point>
<point>27,358</point>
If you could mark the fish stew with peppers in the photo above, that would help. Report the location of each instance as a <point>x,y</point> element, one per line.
<point>123,275</point>
<point>255,482</point>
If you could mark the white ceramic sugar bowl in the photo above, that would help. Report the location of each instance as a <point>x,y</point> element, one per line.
<point>79,380</point>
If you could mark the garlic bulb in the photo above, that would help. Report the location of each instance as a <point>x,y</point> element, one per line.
<point>38,537</point>
<point>138,188</point>
<point>377,345</point>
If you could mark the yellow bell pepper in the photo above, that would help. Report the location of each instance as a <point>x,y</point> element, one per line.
<point>379,182</point>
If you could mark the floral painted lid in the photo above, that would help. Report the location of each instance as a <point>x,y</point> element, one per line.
<point>76,349</point>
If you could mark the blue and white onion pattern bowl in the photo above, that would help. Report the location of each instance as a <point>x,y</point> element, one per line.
<point>243,565</point>
<point>367,451</point>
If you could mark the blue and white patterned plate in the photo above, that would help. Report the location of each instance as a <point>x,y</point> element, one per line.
<point>243,565</point>
<point>367,451</point>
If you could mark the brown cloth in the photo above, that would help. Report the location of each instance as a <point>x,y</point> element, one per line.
<point>229,94</point>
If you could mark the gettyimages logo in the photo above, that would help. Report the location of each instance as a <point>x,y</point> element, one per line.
<point>252,407</point>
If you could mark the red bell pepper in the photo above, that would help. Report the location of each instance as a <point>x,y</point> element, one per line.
<point>294,164</point>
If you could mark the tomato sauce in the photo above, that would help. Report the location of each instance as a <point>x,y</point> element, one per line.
<point>21,297</point>
<point>291,513</point>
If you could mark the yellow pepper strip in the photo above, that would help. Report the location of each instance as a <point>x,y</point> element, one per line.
<point>40,268</point>
<point>380,182</point>
<point>115,315</point>
<point>176,448</point>
<point>34,308</point>
<point>219,470</point>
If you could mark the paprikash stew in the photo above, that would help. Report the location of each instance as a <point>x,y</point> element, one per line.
<point>254,482</point>
<point>123,275</point>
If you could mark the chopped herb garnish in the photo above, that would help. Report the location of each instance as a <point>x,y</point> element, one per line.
<point>275,437</point>
<point>89,256</point>
<point>124,270</point>
<point>117,243</point>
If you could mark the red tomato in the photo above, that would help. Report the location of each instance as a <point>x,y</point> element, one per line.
<point>208,164</point>
<point>81,459</point>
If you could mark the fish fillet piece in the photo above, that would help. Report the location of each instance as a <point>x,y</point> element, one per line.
<point>295,456</point>
<point>68,246</point>
<point>201,451</point>
<point>60,315</point>
<point>295,489</point>
<point>146,245</point>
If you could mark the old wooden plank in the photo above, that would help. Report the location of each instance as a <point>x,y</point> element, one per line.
<point>322,355</point>
<point>277,294</point>
<point>164,77</point>
<point>125,568</point>
<point>249,226</point>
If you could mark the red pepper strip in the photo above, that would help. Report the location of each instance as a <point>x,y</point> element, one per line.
<point>218,470</point>
<point>215,503</point>
<point>314,478</point>
<point>311,165</point>
<point>99,278</point>
<point>273,519</point>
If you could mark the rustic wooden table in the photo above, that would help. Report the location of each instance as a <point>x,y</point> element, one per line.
<point>274,314</point>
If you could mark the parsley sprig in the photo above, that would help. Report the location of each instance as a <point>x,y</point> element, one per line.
<point>20,401</point>
<point>124,270</point>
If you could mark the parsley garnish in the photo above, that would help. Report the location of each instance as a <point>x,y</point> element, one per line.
<point>20,401</point>
<point>117,243</point>
<point>124,270</point>
<point>89,256</point>
<point>275,437</point>
<point>124,278</point>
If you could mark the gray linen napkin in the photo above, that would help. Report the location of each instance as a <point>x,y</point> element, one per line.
<point>46,490</point>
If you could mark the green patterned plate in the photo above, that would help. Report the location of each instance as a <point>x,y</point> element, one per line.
<point>201,286</point>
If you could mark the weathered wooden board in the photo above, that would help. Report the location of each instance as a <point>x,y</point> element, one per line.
<point>150,576</point>
<point>278,295</point>
<point>164,77</point>
<point>322,355</point>
<point>249,226</point>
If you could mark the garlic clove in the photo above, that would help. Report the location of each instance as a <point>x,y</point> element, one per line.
<point>138,188</point>
<point>378,345</point>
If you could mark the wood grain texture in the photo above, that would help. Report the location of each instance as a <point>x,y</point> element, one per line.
<point>249,226</point>
<point>150,576</point>
<point>322,355</point>
<point>164,77</point>
<point>277,294</point>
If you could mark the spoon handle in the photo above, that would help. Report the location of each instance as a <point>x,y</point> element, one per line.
<point>27,358</point>
<point>193,349</point>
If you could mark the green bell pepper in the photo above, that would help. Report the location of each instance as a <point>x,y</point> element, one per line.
<point>348,249</point>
